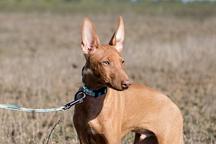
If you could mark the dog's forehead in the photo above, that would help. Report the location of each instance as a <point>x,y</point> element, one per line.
<point>106,52</point>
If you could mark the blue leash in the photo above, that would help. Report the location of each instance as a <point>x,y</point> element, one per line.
<point>78,99</point>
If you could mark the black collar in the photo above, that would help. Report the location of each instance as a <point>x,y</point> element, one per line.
<point>94,92</point>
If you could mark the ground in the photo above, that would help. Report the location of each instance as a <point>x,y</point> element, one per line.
<point>41,62</point>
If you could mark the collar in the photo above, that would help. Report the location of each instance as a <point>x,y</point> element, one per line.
<point>94,92</point>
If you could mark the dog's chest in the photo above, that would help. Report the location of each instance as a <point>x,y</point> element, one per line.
<point>101,123</point>
<point>104,116</point>
<point>94,127</point>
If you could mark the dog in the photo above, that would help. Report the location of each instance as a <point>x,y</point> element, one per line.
<point>113,105</point>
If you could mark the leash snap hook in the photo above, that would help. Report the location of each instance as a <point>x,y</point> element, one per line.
<point>80,96</point>
<point>78,99</point>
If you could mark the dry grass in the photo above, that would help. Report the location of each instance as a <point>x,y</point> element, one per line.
<point>40,64</point>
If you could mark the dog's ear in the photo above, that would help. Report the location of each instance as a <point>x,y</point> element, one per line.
<point>117,39</point>
<point>89,38</point>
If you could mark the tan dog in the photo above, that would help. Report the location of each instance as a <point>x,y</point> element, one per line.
<point>108,114</point>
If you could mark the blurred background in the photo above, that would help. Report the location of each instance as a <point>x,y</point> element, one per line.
<point>170,45</point>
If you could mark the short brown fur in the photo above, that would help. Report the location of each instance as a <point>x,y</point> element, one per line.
<point>125,107</point>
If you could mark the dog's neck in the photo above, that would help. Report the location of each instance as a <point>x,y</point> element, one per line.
<point>90,80</point>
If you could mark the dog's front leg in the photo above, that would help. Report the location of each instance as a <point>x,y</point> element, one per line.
<point>114,140</point>
<point>85,134</point>
<point>112,136</point>
<point>81,132</point>
<point>87,137</point>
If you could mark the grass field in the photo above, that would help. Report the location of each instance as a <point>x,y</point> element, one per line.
<point>41,62</point>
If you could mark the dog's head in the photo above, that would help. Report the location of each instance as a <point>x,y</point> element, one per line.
<point>104,62</point>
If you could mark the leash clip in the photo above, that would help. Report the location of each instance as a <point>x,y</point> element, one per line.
<point>78,99</point>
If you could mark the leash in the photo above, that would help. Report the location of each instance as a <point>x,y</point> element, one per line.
<point>79,96</point>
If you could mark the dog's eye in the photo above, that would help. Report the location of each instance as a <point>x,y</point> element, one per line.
<point>123,61</point>
<point>105,62</point>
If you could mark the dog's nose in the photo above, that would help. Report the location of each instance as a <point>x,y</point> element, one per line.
<point>125,84</point>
